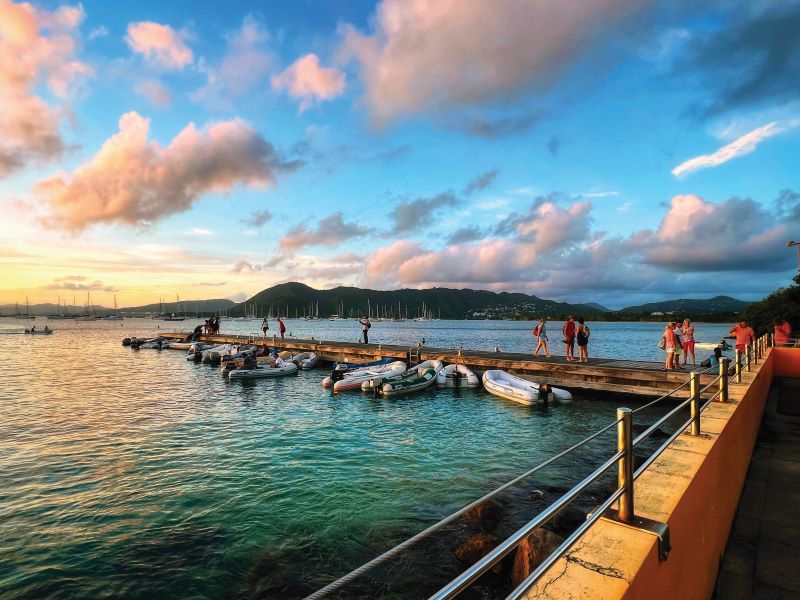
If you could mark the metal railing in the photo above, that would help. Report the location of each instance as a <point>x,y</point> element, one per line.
<point>714,391</point>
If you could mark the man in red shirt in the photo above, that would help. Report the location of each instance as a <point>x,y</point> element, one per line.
<point>783,332</point>
<point>569,338</point>
<point>744,335</point>
<point>281,327</point>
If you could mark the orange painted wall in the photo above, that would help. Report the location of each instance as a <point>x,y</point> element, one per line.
<point>787,362</point>
<point>701,522</point>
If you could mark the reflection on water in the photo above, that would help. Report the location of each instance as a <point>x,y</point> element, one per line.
<point>140,474</point>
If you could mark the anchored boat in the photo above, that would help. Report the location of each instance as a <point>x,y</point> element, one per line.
<point>264,372</point>
<point>457,375</point>
<point>353,380</point>
<point>511,387</point>
<point>417,378</point>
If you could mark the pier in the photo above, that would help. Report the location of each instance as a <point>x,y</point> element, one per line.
<point>643,378</point>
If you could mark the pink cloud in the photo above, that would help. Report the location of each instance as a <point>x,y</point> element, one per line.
<point>330,231</point>
<point>159,44</point>
<point>36,47</point>
<point>430,56</point>
<point>155,92</point>
<point>135,181</point>
<point>309,82</point>
<point>247,59</point>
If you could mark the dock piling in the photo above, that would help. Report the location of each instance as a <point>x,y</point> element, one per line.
<point>625,474</point>
<point>694,382</point>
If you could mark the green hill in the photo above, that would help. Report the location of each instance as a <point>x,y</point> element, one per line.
<point>690,306</point>
<point>299,299</point>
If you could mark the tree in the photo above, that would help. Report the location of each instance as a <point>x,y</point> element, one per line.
<point>783,303</point>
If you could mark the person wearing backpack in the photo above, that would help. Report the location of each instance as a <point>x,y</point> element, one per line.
<point>582,337</point>
<point>365,325</point>
<point>540,332</point>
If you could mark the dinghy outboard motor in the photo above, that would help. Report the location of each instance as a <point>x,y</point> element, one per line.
<point>135,342</point>
<point>126,342</point>
<point>337,375</point>
<point>544,394</point>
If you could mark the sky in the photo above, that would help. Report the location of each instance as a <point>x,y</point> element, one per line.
<point>611,151</point>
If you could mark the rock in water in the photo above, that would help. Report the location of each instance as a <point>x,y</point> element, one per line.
<point>486,516</point>
<point>531,552</point>
<point>476,547</point>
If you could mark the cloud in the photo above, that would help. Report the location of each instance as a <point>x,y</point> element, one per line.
<point>79,283</point>
<point>330,231</point>
<point>739,147</point>
<point>98,32</point>
<point>481,182</point>
<point>736,235</point>
<point>257,218</point>
<point>415,215</point>
<point>554,145</point>
<point>465,234</point>
<point>310,83</point>
<point>135,181</point>
<point>159,44</point>
<point>37,49</point>
<point>547,231</point>
<point>244,265</point>
<point>428,57</point>
<point>200,231</point>
<point>492,128</point>
<point>246,61</point>
<point>699,248</point>
<point>750,62</point>
<point>155,92</point>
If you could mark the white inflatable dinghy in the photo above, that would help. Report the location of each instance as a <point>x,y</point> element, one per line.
<point>511,387</point>
<point>263,372</point>
<point>456,375</point>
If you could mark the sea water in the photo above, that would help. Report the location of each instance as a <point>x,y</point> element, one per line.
<point>138,474</point>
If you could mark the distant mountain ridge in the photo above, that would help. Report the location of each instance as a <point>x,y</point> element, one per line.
<point>687,306</point>
<point>299,299</point>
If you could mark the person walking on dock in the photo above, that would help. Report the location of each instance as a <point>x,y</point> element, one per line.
<point>582,337</point>
<point>541,338</point>
<point>744,335</point>
<point>365,325</point>
<point>265,326</point>
<point>687,332</point>
<point>569,338</point>
<point>281,327</point>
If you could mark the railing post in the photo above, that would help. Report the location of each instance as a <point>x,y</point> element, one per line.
<point>737,355</point>
<point>695,403</point>
<point>625,474</point>
<point>754,349</point>
<point>748,352</point>
<point>724,365</point>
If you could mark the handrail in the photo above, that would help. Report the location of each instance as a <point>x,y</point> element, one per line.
<point>624,490</point>
<point>335,585</point>
<point>488,561</point>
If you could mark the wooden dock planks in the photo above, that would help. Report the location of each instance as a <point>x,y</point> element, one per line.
<point>600,374</point>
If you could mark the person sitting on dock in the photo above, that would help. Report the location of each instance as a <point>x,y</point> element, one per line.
<point>365,325</point>
<point>195,334</point>
<point>569,338</point>
<point>541,338</point>
<point>281,328</point>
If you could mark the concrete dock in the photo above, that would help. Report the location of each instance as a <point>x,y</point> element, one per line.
<point>643,378</point>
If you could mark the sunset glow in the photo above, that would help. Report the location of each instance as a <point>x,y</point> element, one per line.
<point>618,152</point>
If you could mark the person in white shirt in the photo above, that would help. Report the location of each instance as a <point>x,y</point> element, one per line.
<point>365,325</point>
<point>279,362</point>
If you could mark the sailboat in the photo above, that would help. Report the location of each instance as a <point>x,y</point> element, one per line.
<point>173,316</point>
<point>115,315</point>
<point>91,313</point>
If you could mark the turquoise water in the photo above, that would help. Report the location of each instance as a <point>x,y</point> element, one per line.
<point>140,475</point>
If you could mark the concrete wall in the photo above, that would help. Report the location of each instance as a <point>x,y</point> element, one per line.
<point>787,362</point>
<point>695,487</point>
